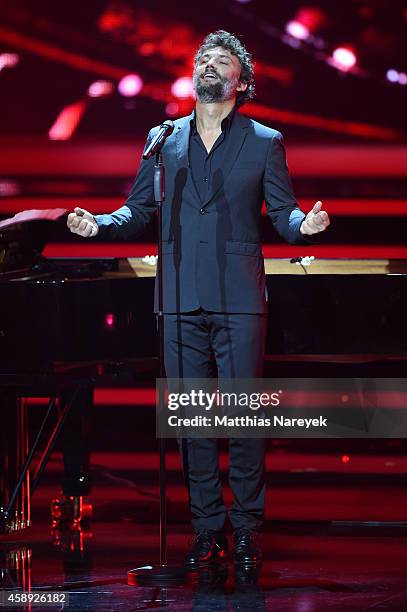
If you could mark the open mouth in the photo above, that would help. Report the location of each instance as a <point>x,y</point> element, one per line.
<point>209,76</point>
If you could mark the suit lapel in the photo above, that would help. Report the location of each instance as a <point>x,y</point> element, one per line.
<point>182,145</point>
<point>182,141</point>
<point>235,140</point>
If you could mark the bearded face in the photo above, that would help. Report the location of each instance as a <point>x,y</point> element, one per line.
<point>212,87</point>
<point>216,76</point>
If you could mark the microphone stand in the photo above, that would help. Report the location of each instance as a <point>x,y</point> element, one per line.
<point>162,574</point>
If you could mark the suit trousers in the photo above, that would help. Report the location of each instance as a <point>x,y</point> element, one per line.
<point>235,344</point>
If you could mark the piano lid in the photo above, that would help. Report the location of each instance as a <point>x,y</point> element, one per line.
<point>24,236</point>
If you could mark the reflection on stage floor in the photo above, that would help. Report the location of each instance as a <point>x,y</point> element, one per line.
<point>310,564</point>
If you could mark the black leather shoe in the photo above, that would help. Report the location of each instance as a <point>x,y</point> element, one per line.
<point>246,575</point>
<point>247,549</point>
<point>208,547</point>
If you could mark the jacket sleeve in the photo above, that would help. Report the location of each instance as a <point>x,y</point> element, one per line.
<point>139,209</point>
<point>281,205</point>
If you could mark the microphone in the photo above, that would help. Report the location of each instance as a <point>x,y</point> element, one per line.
<point>166,129</point>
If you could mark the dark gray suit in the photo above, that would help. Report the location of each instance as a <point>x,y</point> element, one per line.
<point>215,300</point>
<point>212,254</point>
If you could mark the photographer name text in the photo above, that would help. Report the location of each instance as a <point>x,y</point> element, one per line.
<point>245,421</point>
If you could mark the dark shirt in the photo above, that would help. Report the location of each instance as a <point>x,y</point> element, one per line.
<point>204,164</point>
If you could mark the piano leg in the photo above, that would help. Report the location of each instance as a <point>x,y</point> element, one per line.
<point>71,508</point>
<point>14,451</point>
<point>16,485</point>
<point>76,444</point>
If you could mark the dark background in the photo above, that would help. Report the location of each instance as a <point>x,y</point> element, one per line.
<point>157,39</point>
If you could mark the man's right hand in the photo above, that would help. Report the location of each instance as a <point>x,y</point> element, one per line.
<point>83,223</point>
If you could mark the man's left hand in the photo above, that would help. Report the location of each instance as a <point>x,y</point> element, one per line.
<point>316,221</point>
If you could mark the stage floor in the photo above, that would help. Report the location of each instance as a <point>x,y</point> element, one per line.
<point>314,560</point>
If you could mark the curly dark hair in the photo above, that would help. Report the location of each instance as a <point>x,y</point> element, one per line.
<point>229,41</point>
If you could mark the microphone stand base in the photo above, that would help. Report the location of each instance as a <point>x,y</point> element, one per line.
<point>158,575</point>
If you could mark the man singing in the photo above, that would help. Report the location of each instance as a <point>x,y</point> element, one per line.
<point>220,167</point>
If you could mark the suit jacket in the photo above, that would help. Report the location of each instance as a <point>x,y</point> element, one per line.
<point>212,256</point>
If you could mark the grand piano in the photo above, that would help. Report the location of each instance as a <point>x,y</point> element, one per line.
<point>65,326</point>
<point>68,324</point>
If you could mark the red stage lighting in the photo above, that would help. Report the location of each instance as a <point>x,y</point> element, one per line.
<point>183,88</point>
<point>345,458</point>
<point>67,121</point>
<point>110,320</point>
<point>305,23</point>
<point>8,60</point>
<point>297,30</point>
<point>311,17</point>
<point>130,85</point>
<point>172,109</point>
<point>343,58</point>
<point>98,89</point>
<point>9,188</point>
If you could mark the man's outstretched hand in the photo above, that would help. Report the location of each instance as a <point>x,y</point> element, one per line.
<point>316,221</point>
<point>83,223</point>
